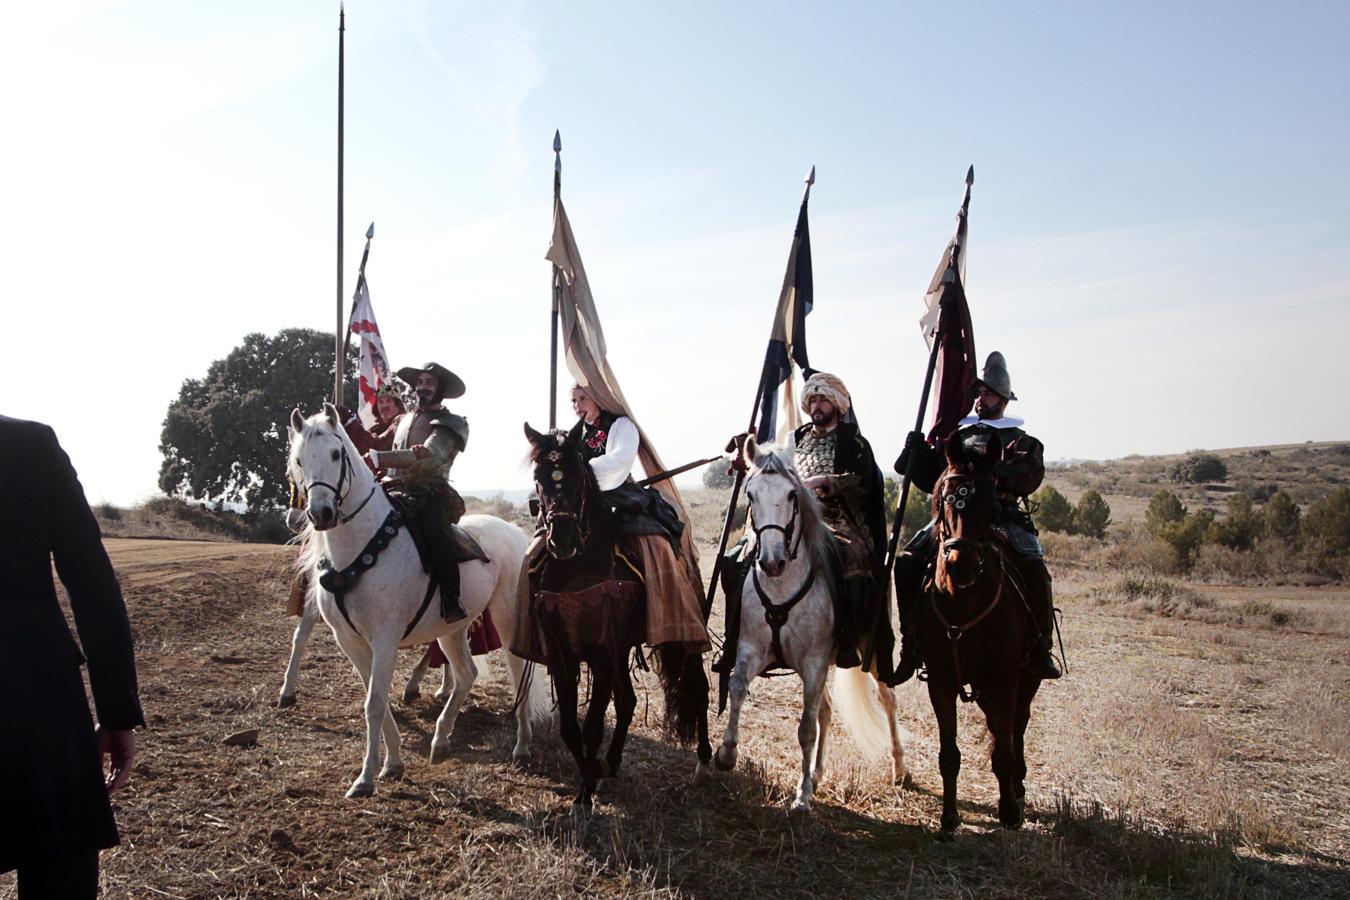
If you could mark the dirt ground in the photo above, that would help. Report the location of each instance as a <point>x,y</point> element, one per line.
<point>1177,758</point>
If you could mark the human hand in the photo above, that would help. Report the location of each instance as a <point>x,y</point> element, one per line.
<point>914,440</point>
<point>819,483</point>
<point>346,414</point>
<point>119,746</point>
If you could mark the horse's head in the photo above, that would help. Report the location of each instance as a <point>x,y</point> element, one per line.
<point>562,481</point>
<point>321,465</point>
<point>781,507</point>
<point>964,504</point>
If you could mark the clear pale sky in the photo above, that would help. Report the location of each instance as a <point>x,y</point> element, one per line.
<point>1159,226</point>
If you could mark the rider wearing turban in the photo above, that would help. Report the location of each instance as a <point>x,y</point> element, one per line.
<point>836,462</point>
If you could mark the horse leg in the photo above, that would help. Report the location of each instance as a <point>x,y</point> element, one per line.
<point>748,663</point>
<point>523,672</point>
<point>565,672</point>
<point>943,699</point>
<point>301,637</point>
<point>699,678</point>
<point>465,673</point>
<point>823,720</point>
<point>999,713</point>
<point>375,667</point>
<point>813,674</point>
<point>887,695</point>
<point>1022,716</point>
<point>593,734</point>
<point>413,689</point>
<point>625,702</point>
<point>448,677</point>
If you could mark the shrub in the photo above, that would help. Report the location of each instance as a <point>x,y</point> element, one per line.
<point>1282,517</point>
<point>109,511</point>
<point>1326,527</point>
<point>1224,565</point>
<point>1152,555</point>
<point>1164,509</point>
<point>918,508</point>
<point>1263,492</point>
<point>1155,595</point>
<point>1188,535</point>
<point>717,476</point>
<point>1197,468</point>
<point>1240,528</point>
<point>1092,515</point>
<point>1053,510</point>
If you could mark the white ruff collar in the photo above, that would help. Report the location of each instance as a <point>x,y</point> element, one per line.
<point>1005,422</point>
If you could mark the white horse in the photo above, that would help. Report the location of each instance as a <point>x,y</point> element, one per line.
<point>387,600</point>
<point>787,615</point>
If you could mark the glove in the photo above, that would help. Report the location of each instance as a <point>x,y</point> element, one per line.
<point>914,441</point>
<point>346,414</point>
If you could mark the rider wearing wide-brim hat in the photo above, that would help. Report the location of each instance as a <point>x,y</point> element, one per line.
<point>426,441</point>
<point>1016,478</point>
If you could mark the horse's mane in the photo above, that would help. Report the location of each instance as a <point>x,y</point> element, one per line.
<point>774,460</point>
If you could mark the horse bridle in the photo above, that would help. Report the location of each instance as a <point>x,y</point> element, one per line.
<point>955,498</point>
<point>344,477</point>
<point>788,530</point>
<point>559,515</point>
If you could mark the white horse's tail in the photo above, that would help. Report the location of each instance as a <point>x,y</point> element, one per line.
<point>855,697</point>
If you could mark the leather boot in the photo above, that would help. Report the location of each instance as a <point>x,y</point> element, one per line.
<point>444,560</point>
<point>1041,598</point>
<point>908,585</point>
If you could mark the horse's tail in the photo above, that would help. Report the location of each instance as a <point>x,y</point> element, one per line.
<point>685,686</point>
<point>855,696</point>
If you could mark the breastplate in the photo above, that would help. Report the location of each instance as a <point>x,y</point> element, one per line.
<point>815,454</point>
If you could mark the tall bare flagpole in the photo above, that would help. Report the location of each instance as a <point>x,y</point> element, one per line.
<point>557,290</point>
<point>340,335</point>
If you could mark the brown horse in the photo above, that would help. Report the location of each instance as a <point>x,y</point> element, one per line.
<point>589,604</point>
<point>974,625</point>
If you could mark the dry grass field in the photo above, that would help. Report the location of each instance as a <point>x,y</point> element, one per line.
<point>1196,748</point>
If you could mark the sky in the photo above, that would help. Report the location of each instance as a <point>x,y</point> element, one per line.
<point>1159,224</point>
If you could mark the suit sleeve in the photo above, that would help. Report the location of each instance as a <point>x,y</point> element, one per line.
<point>95,597</point>
<point>928,466</point>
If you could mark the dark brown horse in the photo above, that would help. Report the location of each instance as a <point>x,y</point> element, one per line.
<point>589,604</point>
<point>974,625</point>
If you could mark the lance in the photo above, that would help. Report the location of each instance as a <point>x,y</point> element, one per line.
<point>557,289</point>
<point>361,273</point>
<point>736,446</point>
<point>679,470</point>
<point>340,347</point>
<point>954,267</point>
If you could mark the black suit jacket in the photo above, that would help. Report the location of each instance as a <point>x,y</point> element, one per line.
<point>52,799</point>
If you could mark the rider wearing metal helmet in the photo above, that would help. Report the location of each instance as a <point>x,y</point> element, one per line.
<point>1017,476</point>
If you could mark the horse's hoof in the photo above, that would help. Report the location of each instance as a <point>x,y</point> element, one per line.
<point>361,789</point>
<point>393,773</point>
<point>726,761</point>
<point>440,752</point>
<point>442,696</point>
<point>949,825</point>
<point>521,755</point>
<point>410,695</point>
<point>285,701</point>
<point>703,773</point>
<point>800,808</point>
<point>1010,815</point>
<point>581,811</point>
<point>907,782</point>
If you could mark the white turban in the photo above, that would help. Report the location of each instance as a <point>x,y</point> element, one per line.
<point>823,384</point>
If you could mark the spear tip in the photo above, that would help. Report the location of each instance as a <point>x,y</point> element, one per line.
<point>811,176</point>
<point>557,141</point>
<point>970,175</point>
<point>370,232</point>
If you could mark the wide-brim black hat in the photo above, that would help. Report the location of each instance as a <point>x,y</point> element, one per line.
<point>451,386</point>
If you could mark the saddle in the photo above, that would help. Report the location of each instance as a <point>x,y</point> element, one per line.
<point>462,545</point>
<point>608,617</point>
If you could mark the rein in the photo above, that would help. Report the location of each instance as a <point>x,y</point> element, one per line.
<point>344,477</point>
<point>787,530</point>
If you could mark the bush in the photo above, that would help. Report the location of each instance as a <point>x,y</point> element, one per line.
<point>1164,510</point>
<point>918,508</point>
<point>108,511</point>
<point>1092,515</point>
<point>1187,536</point>
<point>1224,565</point>
<point>1326,528</point>
<point>1053,511</point>
<point>1240,528</point>
<point>716,476</point>
<point>1155,595</point>
<point>1198,468</point>
<point>1152,555</point>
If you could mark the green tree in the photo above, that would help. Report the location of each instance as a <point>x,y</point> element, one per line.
<point>1092,515</point>
<point>1326,527</point>
<point>1188,535</point>
<point>1164,510</point>
<point>1199,467</point>
<point>1282,517</point>
<point>717,476</point>
<point>1240,528</point>
<point>1053,510</point>
<point>224,439</point>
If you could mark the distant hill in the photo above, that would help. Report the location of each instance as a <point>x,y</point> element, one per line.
<point>1307,472</point>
